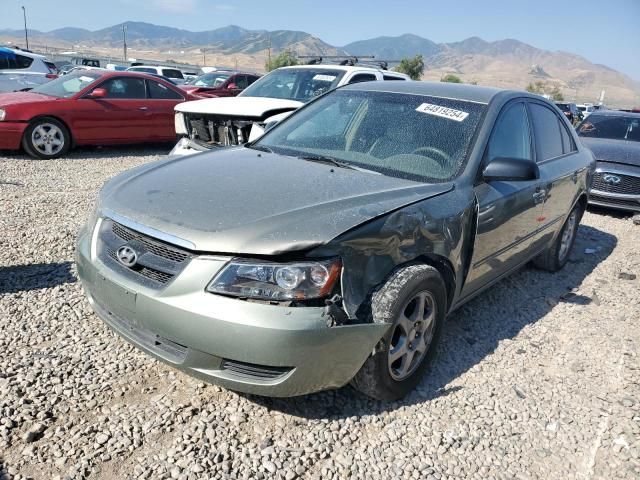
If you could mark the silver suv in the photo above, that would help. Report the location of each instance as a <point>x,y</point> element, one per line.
<point>21,70</point>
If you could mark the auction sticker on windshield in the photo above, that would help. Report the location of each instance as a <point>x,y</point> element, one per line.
<point>444,112</point>
<point>324,78</point>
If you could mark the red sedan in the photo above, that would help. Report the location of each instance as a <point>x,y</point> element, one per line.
<point>89,107</point>
<point>221,83</point>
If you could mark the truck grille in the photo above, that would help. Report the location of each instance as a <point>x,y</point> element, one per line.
<point>629,184</point>
<point>158,263</point>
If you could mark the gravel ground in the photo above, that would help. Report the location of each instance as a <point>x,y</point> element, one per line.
<point>536,378</point>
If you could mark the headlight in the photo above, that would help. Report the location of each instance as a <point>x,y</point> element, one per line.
<point>2,114</point>
<point>181,126</point>
<point>277,281</point>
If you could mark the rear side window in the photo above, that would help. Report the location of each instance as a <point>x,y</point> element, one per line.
<point>568,145</point>
<point>160,91</point>
<point>546,125</point>
<point>23,62</point>
<point>363,77</point>
<point>511,137</point>
<point>52,67</point>
<point>125,88</point>
<point>172,73</point>
<point>391,77</point>
<point>241,81</point>
<point>17,63</point>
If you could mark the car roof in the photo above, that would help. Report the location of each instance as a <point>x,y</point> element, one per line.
<point>346,68</point>
<point>17,51</point>
<point>615,113</point>
<point>455,91</point>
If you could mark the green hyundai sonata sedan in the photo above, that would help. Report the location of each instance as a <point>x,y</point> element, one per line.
<point>332,249</point>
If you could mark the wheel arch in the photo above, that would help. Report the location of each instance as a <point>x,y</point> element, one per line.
<point>32,120</point>
<point>443,266</point>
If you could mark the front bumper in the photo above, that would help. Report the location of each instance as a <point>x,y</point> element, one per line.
<point>624,195</point>
<point>186,146</point>
<point>11,134</point>
<point>246,346</point>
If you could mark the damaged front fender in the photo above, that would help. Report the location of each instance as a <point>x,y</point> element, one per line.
<point>435,230</point>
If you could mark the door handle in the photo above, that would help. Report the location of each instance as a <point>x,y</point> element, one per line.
<point>539,196</point>
<point>143,108</point>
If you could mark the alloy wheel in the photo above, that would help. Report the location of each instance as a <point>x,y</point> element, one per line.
<point>412,335</point>
<point>47,139</point>
<point>567,235</point>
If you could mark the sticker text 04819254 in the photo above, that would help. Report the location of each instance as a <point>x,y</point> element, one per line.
<point>444,112</point>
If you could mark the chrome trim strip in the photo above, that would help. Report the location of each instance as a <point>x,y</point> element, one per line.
<point>94,239</point>
<point>151,232</point>
<point>619,171</point>
<point>621,196</point>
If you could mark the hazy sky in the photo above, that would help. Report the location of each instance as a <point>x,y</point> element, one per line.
<point>605,32</point>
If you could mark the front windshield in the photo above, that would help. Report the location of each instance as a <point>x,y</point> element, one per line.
<point>69,85</point>
<point>211,80</point>
<point>301,84</point>
<point>407,136</point>
<point>614,127</point>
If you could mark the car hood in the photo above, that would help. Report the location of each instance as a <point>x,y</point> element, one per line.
<point>615,151</point>
<point>253,107</point>
<point>242,201</point>
<point>18,98</point>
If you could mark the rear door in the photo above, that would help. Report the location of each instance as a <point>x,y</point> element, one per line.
<point>124,115</point>
<point>508,212</point>
<point>162,100</point>
<point>560,167</point>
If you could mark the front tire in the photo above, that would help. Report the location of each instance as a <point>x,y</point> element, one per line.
<point>46,138</point>
<point>557,255</point>
<point>413,301</point>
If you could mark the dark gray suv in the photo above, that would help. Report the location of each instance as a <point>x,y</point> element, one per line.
<point>332,249</point>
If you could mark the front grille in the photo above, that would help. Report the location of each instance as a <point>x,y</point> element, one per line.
<point>170,253</point>
<point>250,370</point>
<point>616,202</point>
<point>629,184</point>
<point>158,263</point>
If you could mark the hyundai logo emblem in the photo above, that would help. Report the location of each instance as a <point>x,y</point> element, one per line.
<point>127,256</point>
<point>612,179</point>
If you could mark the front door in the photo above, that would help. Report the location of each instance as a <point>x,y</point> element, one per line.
<point>122,116</point>
<point>508,211</point>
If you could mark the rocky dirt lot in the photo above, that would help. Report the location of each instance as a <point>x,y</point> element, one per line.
<point>539,377</point>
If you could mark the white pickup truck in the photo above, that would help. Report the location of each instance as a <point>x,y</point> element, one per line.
<point>215,122</point>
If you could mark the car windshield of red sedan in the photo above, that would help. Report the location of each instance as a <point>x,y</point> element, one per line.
<point>211,80</point>
<point>68,85</point>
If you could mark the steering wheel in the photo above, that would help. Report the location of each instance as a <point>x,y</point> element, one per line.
<point>441,157</point>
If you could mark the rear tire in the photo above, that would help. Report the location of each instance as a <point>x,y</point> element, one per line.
<point>46,138</point>
<point>557,255</point>
<point>413,301</point>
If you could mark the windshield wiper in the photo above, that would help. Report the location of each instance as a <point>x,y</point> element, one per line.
<point>262,148</point>
<point>329,160</point>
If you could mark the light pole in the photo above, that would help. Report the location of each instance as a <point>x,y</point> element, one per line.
<point>124,41</point>
<point>26,35</point>
<point>204,57</point>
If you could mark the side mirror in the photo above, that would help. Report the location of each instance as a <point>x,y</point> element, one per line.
<point>232,86</point>
<point>97,93</point>
<point>511,170</point>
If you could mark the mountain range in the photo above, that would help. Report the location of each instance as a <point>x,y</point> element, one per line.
<point>505,63</point>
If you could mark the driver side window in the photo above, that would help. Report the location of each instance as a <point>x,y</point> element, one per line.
<point>511,136</point>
